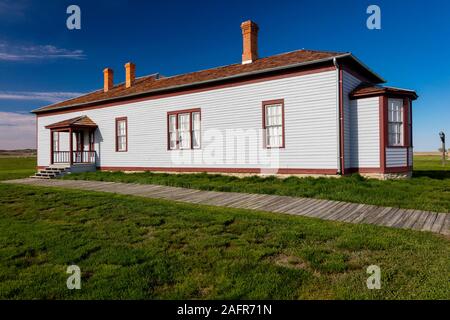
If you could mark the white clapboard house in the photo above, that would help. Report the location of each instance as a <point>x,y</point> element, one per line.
<point>301,112</point>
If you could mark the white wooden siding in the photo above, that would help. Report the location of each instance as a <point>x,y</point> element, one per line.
<point>396,157</point>
<point>310,126</point>
<point>349,83</point>
<point>365,133</point>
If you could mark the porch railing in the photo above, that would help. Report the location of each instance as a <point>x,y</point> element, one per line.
<point>77,156</point>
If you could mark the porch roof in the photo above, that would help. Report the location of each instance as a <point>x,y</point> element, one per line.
<point>74,123</point>
<point>366,90</point>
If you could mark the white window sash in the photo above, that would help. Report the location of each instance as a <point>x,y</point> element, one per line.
<point>173,132</point>
<point>184,130</point>
<point>121,135</point>
<point>196,130</point>
<point>274,125</point>
<point>395,124</point>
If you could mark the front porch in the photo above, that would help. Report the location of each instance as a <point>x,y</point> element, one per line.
<point>72,142</point>
<point>73,157</point>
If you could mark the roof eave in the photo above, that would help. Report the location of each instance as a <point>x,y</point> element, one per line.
<point>245,74</point>
<point>71,126</point>
<point>412,94</point>
<point>363,65</point>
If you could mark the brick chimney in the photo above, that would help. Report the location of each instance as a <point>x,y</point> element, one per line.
<point>130,74</point>
<point>250,41</point>
<point>108,82</point>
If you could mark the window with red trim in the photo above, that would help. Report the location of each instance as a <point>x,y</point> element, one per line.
<point>273,123</point>
<point>121,134</point>
<point>184,129</point>
<point>396,126</point>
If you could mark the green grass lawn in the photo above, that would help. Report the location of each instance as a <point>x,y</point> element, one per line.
<point>431,166</point>
<point>133,248</point>
<point>130,247</point>
<point>16,167</point>
<point>429,189</point>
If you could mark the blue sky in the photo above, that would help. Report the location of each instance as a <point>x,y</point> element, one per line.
<point>41,61</point>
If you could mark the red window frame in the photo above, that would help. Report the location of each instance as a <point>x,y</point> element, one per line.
<point>117,133</point>
<point>264,105</point>
<point>176,113</point>
<point>407,119</point>
<point>404,142</point>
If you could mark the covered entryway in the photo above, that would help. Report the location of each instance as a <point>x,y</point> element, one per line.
<point>72,141</point>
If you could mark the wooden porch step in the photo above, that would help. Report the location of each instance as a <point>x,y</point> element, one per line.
<point>51,173</point>
<point>39,177</point>
<point>44,174</point>
<point>57,168</point>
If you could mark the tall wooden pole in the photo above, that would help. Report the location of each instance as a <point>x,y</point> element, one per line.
<point>442,136</point>
<point>443,153</point>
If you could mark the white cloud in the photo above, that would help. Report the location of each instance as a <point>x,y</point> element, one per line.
<point>11,52</point>
<point>51,97</point>
<point>17,131</point>
<point>12,8</point>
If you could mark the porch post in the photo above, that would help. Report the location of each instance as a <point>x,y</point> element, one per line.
<point>89,140</point>
<point>91,143</point>
<point>51,145</point>
<point>80,144</point>
<point>70,146</point>
<point>93,154</point>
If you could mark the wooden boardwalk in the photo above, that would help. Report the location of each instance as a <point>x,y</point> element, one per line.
<point>316,208</point>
